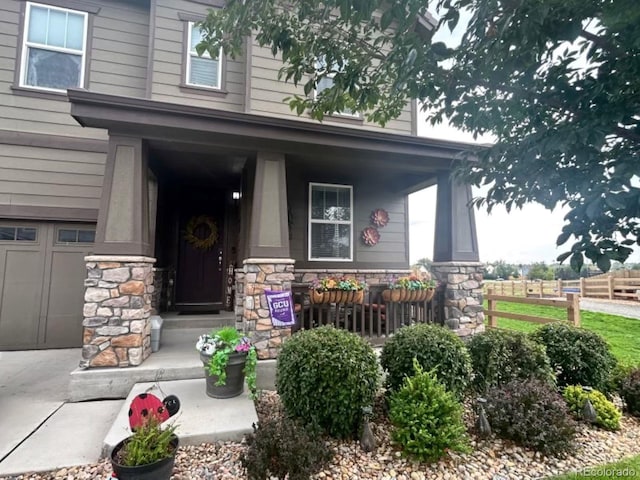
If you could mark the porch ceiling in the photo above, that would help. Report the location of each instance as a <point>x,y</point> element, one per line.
<point>195,164</point>
<point>411,161</point>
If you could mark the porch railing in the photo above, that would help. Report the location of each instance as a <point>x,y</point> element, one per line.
<point>373,319</point>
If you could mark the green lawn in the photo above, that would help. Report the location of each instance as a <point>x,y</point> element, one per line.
<point>629,468</point>
<point>622,333</point>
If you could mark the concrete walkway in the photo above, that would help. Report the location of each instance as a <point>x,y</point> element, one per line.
<point>38,430</point>
<point>623,308</point>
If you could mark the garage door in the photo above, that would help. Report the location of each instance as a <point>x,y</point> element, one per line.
<point>42,274</point>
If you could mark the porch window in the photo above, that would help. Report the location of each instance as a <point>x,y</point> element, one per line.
<point>202,71</point>
<point>54,48</point>
<point>330,222</point>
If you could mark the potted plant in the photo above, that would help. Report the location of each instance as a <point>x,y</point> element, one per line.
<point>337,290</point>
<point>148,454</point>
<point>410,288</point>
<point>228,359</point>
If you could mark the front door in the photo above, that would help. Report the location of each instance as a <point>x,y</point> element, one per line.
<point>200,266</point>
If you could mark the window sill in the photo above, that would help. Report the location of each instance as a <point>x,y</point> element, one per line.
<point>213,92</point>
<point>348,119</point>
<point>34,92</point>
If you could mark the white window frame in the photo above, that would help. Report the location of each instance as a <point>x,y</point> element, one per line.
<point>330,222</point>
<point>332,76</point>
<point>26,44</point>
<point>192,53</point>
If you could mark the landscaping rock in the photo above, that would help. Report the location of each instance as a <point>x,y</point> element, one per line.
<point>490,459</point>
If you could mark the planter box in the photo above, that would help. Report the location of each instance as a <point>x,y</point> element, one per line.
<point>337,296</point>
<point>404,295</point>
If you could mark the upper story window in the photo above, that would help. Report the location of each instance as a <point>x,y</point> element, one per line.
<point>330,222</point>
<point>327,82</point>
<point>202,71</point>
<point>54,48</point>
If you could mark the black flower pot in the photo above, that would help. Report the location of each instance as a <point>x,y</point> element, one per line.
<point>160,470</point>
<point>234,384</point>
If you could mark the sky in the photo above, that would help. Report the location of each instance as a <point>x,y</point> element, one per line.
<point>522,236</point>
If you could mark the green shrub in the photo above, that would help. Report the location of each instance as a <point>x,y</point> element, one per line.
<point>533,414</point>
<point>617,376</point>
<point>630,391</point>
<point>427,418</point>
<point>607,415</point>
<point>280,446</point>
<point>325,376</point>
<point>580,357</point>
<point>499,356</point>
<point>434,347</point>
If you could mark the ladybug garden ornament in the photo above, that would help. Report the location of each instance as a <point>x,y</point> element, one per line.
<point>145,405</point>
<point>148,454</point>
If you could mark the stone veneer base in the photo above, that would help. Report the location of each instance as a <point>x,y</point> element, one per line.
<point>258,275</point>
<point>117,308</point>
<point>463,310</point>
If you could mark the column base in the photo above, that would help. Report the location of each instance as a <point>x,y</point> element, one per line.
<point>260,274</point>
<point>463,309</point>
<point>117,311</point>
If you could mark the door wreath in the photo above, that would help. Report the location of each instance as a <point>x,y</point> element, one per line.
<point>198,242</point>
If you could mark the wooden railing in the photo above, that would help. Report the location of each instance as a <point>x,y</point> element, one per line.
<point>609,287</point>
<point>373,319</point>
<point>572,304</point>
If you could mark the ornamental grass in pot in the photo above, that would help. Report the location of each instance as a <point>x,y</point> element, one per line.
<point>148,454</point>
<point>228,358</point>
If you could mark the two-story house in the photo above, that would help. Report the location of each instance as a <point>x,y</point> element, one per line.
<point>126,158</point>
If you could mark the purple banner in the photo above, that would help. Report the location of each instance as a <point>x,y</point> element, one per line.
<point>280,308</point>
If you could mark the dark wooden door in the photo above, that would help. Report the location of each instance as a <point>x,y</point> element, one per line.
<point>200,266</point>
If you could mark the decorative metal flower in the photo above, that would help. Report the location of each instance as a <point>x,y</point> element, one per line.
<point>370,236</point>
<point>379,217</point>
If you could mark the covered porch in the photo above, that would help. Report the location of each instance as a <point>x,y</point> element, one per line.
<point>203,210</point>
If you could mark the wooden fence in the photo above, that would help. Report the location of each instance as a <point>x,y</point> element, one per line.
<point>609,287</point>
<point>572,304</point>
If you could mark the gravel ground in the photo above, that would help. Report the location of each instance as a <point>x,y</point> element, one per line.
<point>492,459</point>
<point>614,307</point>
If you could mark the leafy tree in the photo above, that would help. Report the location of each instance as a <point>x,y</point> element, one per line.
<point>423,262</point>
<point>540,271</point>
<point>504,270</point>
<point>566,273</point>
<point>557,83</point>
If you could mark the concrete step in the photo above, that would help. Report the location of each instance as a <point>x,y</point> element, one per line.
<point>206,322</point>
<point>177,359</point>
<point>200,419</point>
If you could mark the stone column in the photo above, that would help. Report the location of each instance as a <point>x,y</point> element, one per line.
<point>117,329</point>
<point>262,274</point>
<point>462,295</point>
<point>455,258</point>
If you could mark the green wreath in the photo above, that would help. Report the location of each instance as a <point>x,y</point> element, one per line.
<point>197,242</point>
